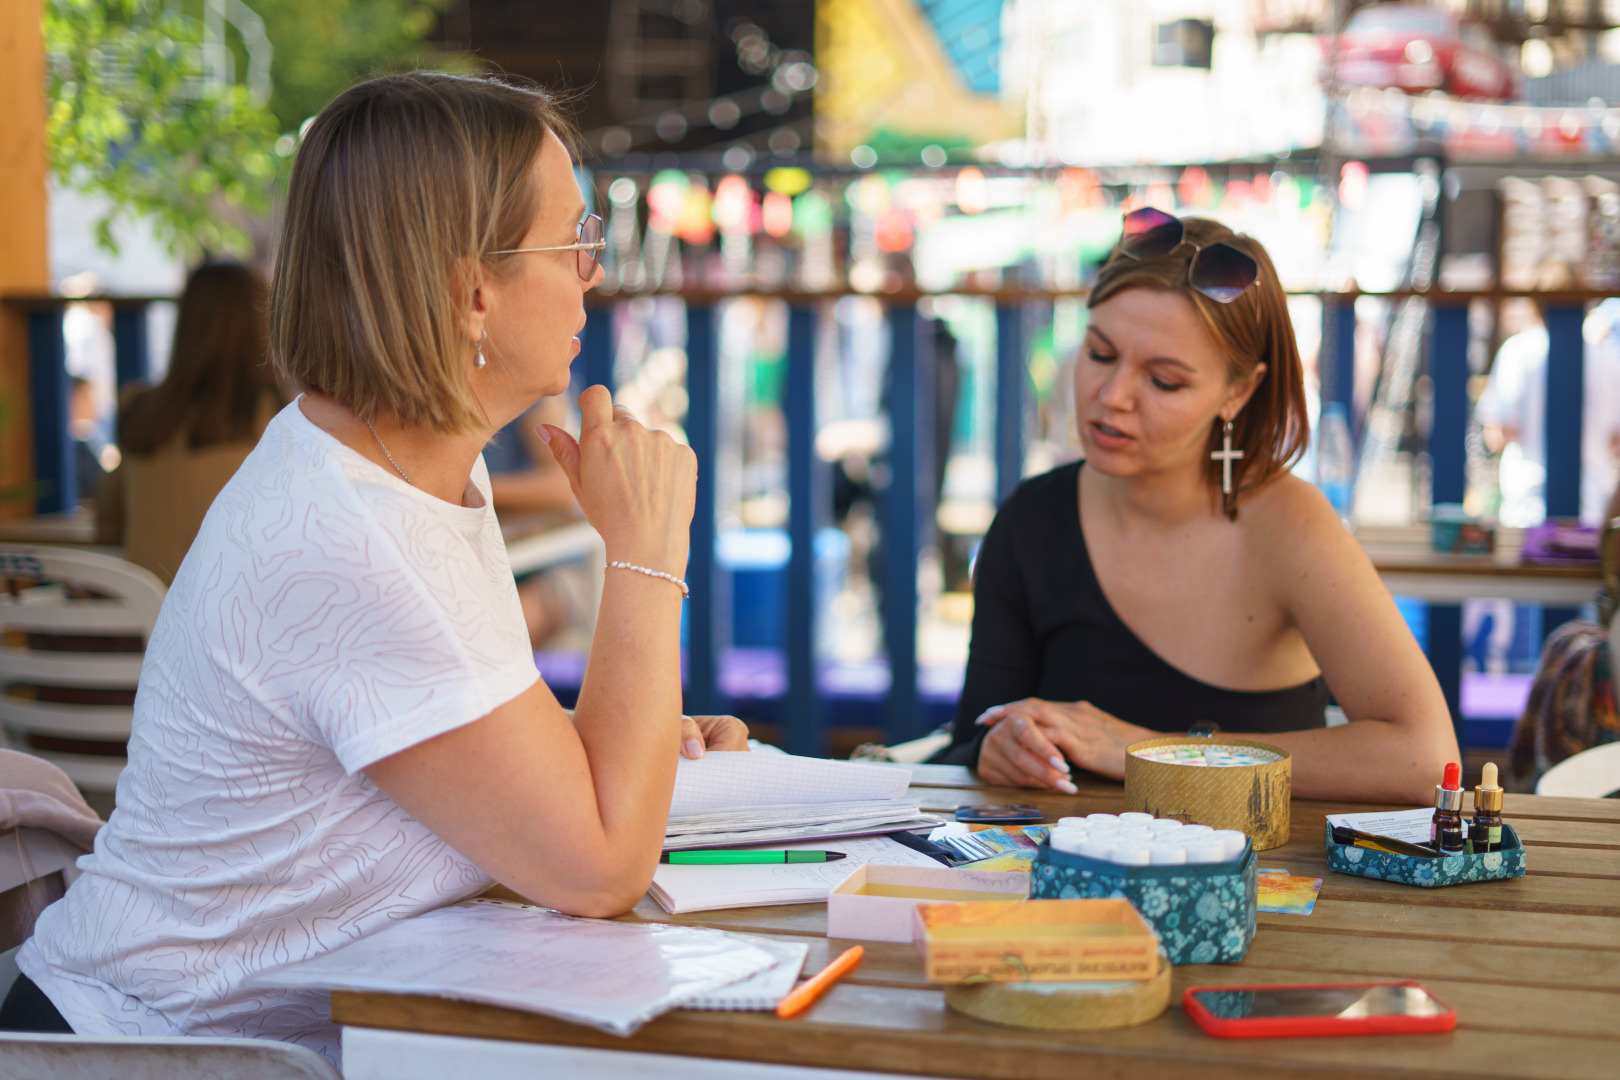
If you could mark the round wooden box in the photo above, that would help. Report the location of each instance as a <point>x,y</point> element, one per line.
<point>1058,1006</point>
<point>1252,799</point>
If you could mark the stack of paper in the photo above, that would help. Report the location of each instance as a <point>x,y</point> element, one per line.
<point>610,975</point>
<point>732,799</point>
<point>679,889</point>
<point>762,992</point>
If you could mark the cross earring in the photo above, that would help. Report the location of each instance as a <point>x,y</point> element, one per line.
<point>1226,455</point>
<point>479,361</point>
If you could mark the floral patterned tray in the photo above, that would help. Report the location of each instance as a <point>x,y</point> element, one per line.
<point>1429,873</point>
<point>1202,914</point>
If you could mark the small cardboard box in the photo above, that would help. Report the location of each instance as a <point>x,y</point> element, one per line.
<point>1459,869</point>
<point>1035,941</point>
<point>876,903</point>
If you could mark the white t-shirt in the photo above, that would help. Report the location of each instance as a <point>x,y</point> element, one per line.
<point>328,615</point>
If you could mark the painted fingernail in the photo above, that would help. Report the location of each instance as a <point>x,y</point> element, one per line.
<point>1058,763</point>
<point>994,710</point>
<point>694,749</point>
<point>545,436</point>
<point>1067,787</point>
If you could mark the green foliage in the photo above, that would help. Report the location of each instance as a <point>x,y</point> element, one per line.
<point>323,46</point>
<point>132,118</point>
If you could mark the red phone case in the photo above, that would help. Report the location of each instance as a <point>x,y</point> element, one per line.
<point>1287,1027</point>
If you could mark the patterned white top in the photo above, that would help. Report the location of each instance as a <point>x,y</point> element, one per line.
<point>328,615</point>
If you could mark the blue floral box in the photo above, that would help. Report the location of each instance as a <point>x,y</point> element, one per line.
<point>1202,914</point>
<point>1428,873</point>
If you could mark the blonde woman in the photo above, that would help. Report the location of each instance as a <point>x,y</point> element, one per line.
<point>339,722</point>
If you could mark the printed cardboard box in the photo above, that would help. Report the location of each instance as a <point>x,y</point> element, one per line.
<point>1035,941</point>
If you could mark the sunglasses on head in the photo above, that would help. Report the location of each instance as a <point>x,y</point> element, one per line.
<point>1219,271</point>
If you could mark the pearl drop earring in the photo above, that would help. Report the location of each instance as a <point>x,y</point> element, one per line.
<point>479,361</point>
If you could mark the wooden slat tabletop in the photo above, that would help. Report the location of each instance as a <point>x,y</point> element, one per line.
<point>1532,967</point>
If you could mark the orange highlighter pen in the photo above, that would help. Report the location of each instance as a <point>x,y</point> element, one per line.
<point>802,997</point>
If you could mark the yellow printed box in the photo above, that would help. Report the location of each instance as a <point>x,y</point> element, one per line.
<point>876,902</point>
<point>1035,941</point>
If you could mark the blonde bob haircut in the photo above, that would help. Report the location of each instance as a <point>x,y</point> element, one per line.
<point>401,187</point>
<point>1273,428</point>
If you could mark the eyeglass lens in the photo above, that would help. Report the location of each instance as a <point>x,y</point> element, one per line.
<point>1150,233</point>
<point>585,259</point>
<point>1221,272</point>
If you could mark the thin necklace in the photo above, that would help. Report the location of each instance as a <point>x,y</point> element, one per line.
<point>387,455</point>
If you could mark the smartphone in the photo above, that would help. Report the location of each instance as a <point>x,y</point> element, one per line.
<point>1000,815</point>
<point>1277,1012</point>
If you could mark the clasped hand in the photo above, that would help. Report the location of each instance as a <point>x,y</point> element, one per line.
<point>1032,743</point>
<point>703,733</point>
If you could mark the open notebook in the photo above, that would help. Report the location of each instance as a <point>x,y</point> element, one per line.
<point>730,799</point>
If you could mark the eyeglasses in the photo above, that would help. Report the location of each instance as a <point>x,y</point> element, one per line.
<point>587,252</point>
<point>1219,271</point>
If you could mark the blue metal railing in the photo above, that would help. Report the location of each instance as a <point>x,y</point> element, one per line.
<point>906,507</point>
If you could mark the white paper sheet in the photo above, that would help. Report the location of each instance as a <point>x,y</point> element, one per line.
<point>721,781</point>
<point>761,992</point>
<point>609,975</point>
<point>1409,825</point>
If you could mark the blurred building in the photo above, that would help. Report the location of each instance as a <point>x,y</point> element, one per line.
<point>658,77</point>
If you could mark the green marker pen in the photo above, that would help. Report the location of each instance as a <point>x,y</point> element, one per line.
<point>734,858</point>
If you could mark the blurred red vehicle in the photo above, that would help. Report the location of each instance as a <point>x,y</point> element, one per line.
<point>1417,48</point>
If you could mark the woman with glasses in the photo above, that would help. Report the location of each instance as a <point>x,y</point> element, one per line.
<point>1179,575</point>
<point>339,723</point>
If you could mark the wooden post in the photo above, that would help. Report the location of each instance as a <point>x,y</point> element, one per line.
<point>708,612</point>
<point>24,256</point>
<point>803,728</point>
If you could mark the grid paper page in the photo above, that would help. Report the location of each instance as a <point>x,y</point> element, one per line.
<point>721,780</point>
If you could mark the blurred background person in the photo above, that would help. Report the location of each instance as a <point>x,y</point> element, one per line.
<point>1513,411</point>
<point>182,439</point>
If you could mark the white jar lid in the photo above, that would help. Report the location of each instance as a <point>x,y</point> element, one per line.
<point>1095,847</point>
<point>1234,841</point>
<point>1211,850</point>
<point>1137,816</point>
<point>1130,854</point>
<point>1068,839</point>
<point>1164,824</point>
<point>1167,854</point>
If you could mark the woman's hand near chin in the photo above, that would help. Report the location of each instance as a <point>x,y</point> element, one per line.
<point>1072,731</point>
<point>636,486</point>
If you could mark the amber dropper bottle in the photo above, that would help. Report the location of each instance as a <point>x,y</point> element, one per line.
<point>1446,833</point>
<point>1485,831</point>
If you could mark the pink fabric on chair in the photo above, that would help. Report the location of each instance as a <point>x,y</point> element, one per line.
<point>36,794</point>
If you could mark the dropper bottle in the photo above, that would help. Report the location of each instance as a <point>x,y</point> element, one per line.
<point>1485,832</point>
<point>1446,832</point>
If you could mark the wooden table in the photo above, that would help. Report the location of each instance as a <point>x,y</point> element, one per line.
<point>1532,967</point>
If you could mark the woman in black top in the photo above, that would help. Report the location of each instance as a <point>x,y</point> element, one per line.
<point>1126,596</point>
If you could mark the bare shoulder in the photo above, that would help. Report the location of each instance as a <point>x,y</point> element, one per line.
<point>1289,524</point>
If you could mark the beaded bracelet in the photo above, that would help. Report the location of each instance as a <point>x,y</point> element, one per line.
<point>679,584</point>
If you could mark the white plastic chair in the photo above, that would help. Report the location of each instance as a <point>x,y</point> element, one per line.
<point>83,1057</point>
<point>126,603</point>
<point>1590,774</point>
